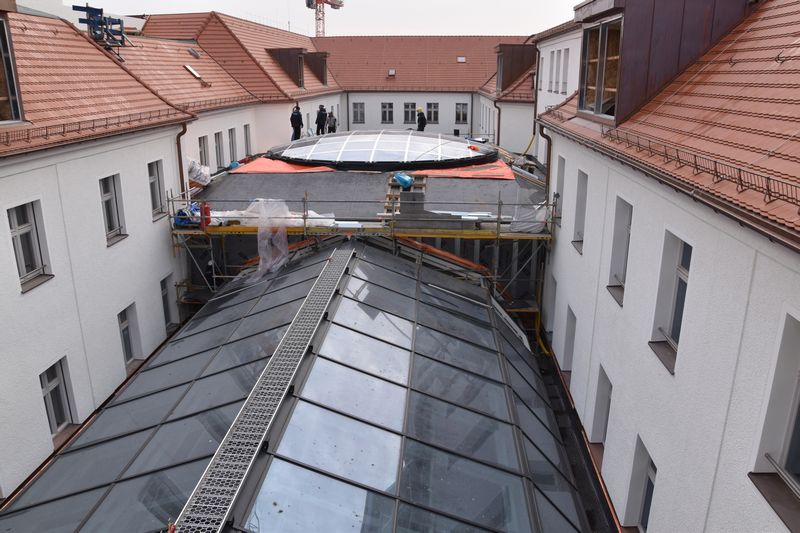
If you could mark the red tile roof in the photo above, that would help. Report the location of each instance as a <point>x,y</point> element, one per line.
<point>736,110</point>
<point>161,64</point>
<point>565,27</point>
<point>520,91</point>
<point>175,26</point>
<point>421,63</point>
<point>70,90</point>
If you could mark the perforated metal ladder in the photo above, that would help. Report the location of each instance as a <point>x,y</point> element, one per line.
<point>211,501</point>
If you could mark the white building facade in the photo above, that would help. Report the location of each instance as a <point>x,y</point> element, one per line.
<point>679,435</point>
<point>91,219</point>
<point>447,113</point>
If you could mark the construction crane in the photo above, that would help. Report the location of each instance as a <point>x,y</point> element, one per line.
<point>319,7</point>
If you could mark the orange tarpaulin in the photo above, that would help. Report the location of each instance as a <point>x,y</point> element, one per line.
<point>264,165</point>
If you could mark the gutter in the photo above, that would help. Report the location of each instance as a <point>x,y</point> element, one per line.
<point>499,116</point>
<point>765,227</point>
<point>548,159</point>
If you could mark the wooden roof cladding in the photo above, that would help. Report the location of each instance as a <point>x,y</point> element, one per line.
<point>513,60</point>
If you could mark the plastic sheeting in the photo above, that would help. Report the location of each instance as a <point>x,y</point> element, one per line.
<point>532,219</point>
<point>198,173</point>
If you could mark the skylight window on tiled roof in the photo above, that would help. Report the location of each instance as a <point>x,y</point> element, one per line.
<point>194,53</point>
<point>9,99</point>
<point>197,76</point>
<point>461,59</point>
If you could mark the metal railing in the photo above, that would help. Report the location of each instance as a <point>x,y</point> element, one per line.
<point>772,188</point>
<point>787,478</point>
<point>218,102</point>
<point>66,128</point>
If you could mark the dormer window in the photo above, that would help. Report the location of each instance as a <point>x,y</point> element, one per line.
<point>600,68</point>
<point>9,99</point>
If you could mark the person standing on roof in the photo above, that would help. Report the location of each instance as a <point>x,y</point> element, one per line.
<point>322,119</point>
<point>297,122</point>
<point>421,120</point>
<point>331,123</point>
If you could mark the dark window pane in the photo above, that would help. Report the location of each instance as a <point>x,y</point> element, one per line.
<point>184,440</point>
<point>79,470</point>
<point>269,319</point>
<point>355,393</point>
<point>460,430</point>
<point>525,365</point>
<point>60,516</point>
<point>385,278</point>
<point>381,298</point>
<point>233,297</point>
<point>130,416</point>
<point>457,326</point>
<point>457,352</point>
<point>146,503</point>
<point>366,353</point>
<point>415,520</point>
<point>550,481</point>
<point>433,295</point>
<point>59,408</point>
<point>533,400</point>
<point>295,500</point>
<point>297,275</point>
<point>387,260</point>
<point>219,317</point>
<point>516,343</point>
<point>677,313</point>
<point>165,376</point>
<point>463,488</point>
<point>370,320</point>
<point>246,350</point>
<point>219,389</point>
<point>686,256</point>
<point>551,519</point>
<point>539,434</point>
<point>204,340</point>
<point>459,387</point>
<point>452,284</point>
<point>285,295</point>
<point>342,446</point>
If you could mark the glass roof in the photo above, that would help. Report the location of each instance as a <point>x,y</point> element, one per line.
<point>385,150</point>
<point>419,408</point>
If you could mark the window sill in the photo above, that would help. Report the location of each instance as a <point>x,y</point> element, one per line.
<point>132,366</point>
<point>158,216</point>
<point>779,497</point>
<point>354,122</point>
<point>617,292</point>
<point>111,241</point>
<point>665,353</point>
<point>64,435</point>
<point>578,246</point>
<point>387,123</point>
<point>462,123</point>
<point>32,283</point>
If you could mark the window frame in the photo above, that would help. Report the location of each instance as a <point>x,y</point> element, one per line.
<point>359,113</point>
<point>17,230</point>
<point>565,73</point>
<point>557,80</point>
<point>157,186</point>
<point>599,81</point>
<point>12,88</point>
<point>550,78</point>
<point>48,387</point>
<point>432,112</point>
<point>219,150</point>
<point>409,113</point>
<point>681,276</point>
<point>387,113</point>
<point>232,144</point>
<point>126,326</point>
<point>248,148</point>
<point>462,113</point>
<point>203,150</point>
<point>112,197</point>
<point>620,249</point>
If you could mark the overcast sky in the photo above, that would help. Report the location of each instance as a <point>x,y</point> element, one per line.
<point>378,17</point>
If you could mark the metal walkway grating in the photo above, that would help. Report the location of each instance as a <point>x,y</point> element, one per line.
<point>215,493</point>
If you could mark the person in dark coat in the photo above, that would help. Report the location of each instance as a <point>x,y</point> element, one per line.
<point>322,120</point>
<point>297,122</point>
<point>331,123</point>
<point>421,120</point>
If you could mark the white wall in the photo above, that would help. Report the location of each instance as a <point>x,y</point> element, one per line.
<point>208,123</point>
<point>516,126</point>
<point>74,314</point>
<point>273,119</point>
<point>485,118</point>
<point>447,110</point>
<point>701,426</point>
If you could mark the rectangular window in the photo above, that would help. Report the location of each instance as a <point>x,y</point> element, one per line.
<point>566,72</point>
<point>219,150</point>
<point>9,95</point>
<point>602,407</point>
<point>600,68</point>
<point>558,196</point>
<point>248,147</point>
<point>232,144</point>
<point>203,142</point>
<point>552,64</point>
<point>540,72</point>
<point>580,211</point>
<point>387,113</point>
<point>126,319</point>
<point>461,113</point>
<point>358,113</point>
<point>166,301</point>
<point>155,171</point>
<point>409,113</point>
<point>56,396</point>
<point>569,341</point>
<point>642,489</point>
<point>619,249</point>
<point>671,300</point>
<point>27,236</point>
<point>557,81</point>
<point>433,113</point>
<point>112,207</point>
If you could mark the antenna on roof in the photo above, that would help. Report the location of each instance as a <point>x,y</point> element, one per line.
<point>108,31</point>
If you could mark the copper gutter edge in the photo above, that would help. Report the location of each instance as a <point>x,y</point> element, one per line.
<point>767,228</point>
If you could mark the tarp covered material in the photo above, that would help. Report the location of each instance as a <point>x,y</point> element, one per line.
<point>496,170</point>
<point>264,165</point>
<point>530,219</point>
<point>263,212</point>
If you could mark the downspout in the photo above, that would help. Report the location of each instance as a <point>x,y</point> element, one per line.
<point>347,112</point>
<point>180,157</point>
<point>499,111</point>
<point>472,115</point>
<point>547,159</point>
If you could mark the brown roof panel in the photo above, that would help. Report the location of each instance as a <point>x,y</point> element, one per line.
<point>421,63</point>
<point>175,25</point>
<point>161,64</point>
<point>562,28</point>
<point>70,90</point>
<point>520,91</point>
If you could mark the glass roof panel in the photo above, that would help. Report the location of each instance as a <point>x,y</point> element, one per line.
<point>342,446</point>
<point>457,352</point>
<point>293,499</point>
<point>81,469</point>
<point>160,377</point>
<point>460,388</point>
<point>461,431</point>
<point>538,433</point>
<point>550,481</point>
<point>433,295</point>
<point>205,340</point>
<point>533,400</point>
<point>367,354</point>
<point>130,416</point>
<point>296,275</point>
<point>269,319</point>
<point>387,260</point>
<point>452,284</point>
<point>551,519</point>
<point>186,439</point>
<point>384,277</point>
<point>202,323</point>
<point>284,295</point>
<point>463,488</point>
<point>412,519</point>
<point>457,326</point>
<point>149,501</point>
<point>377,296</point>
<point>385,326</point>
<point>246,350</point>
<point>59,516</point>
<point>356,393</point>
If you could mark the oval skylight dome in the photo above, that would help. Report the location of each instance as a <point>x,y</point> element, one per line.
<point>385,150</point>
